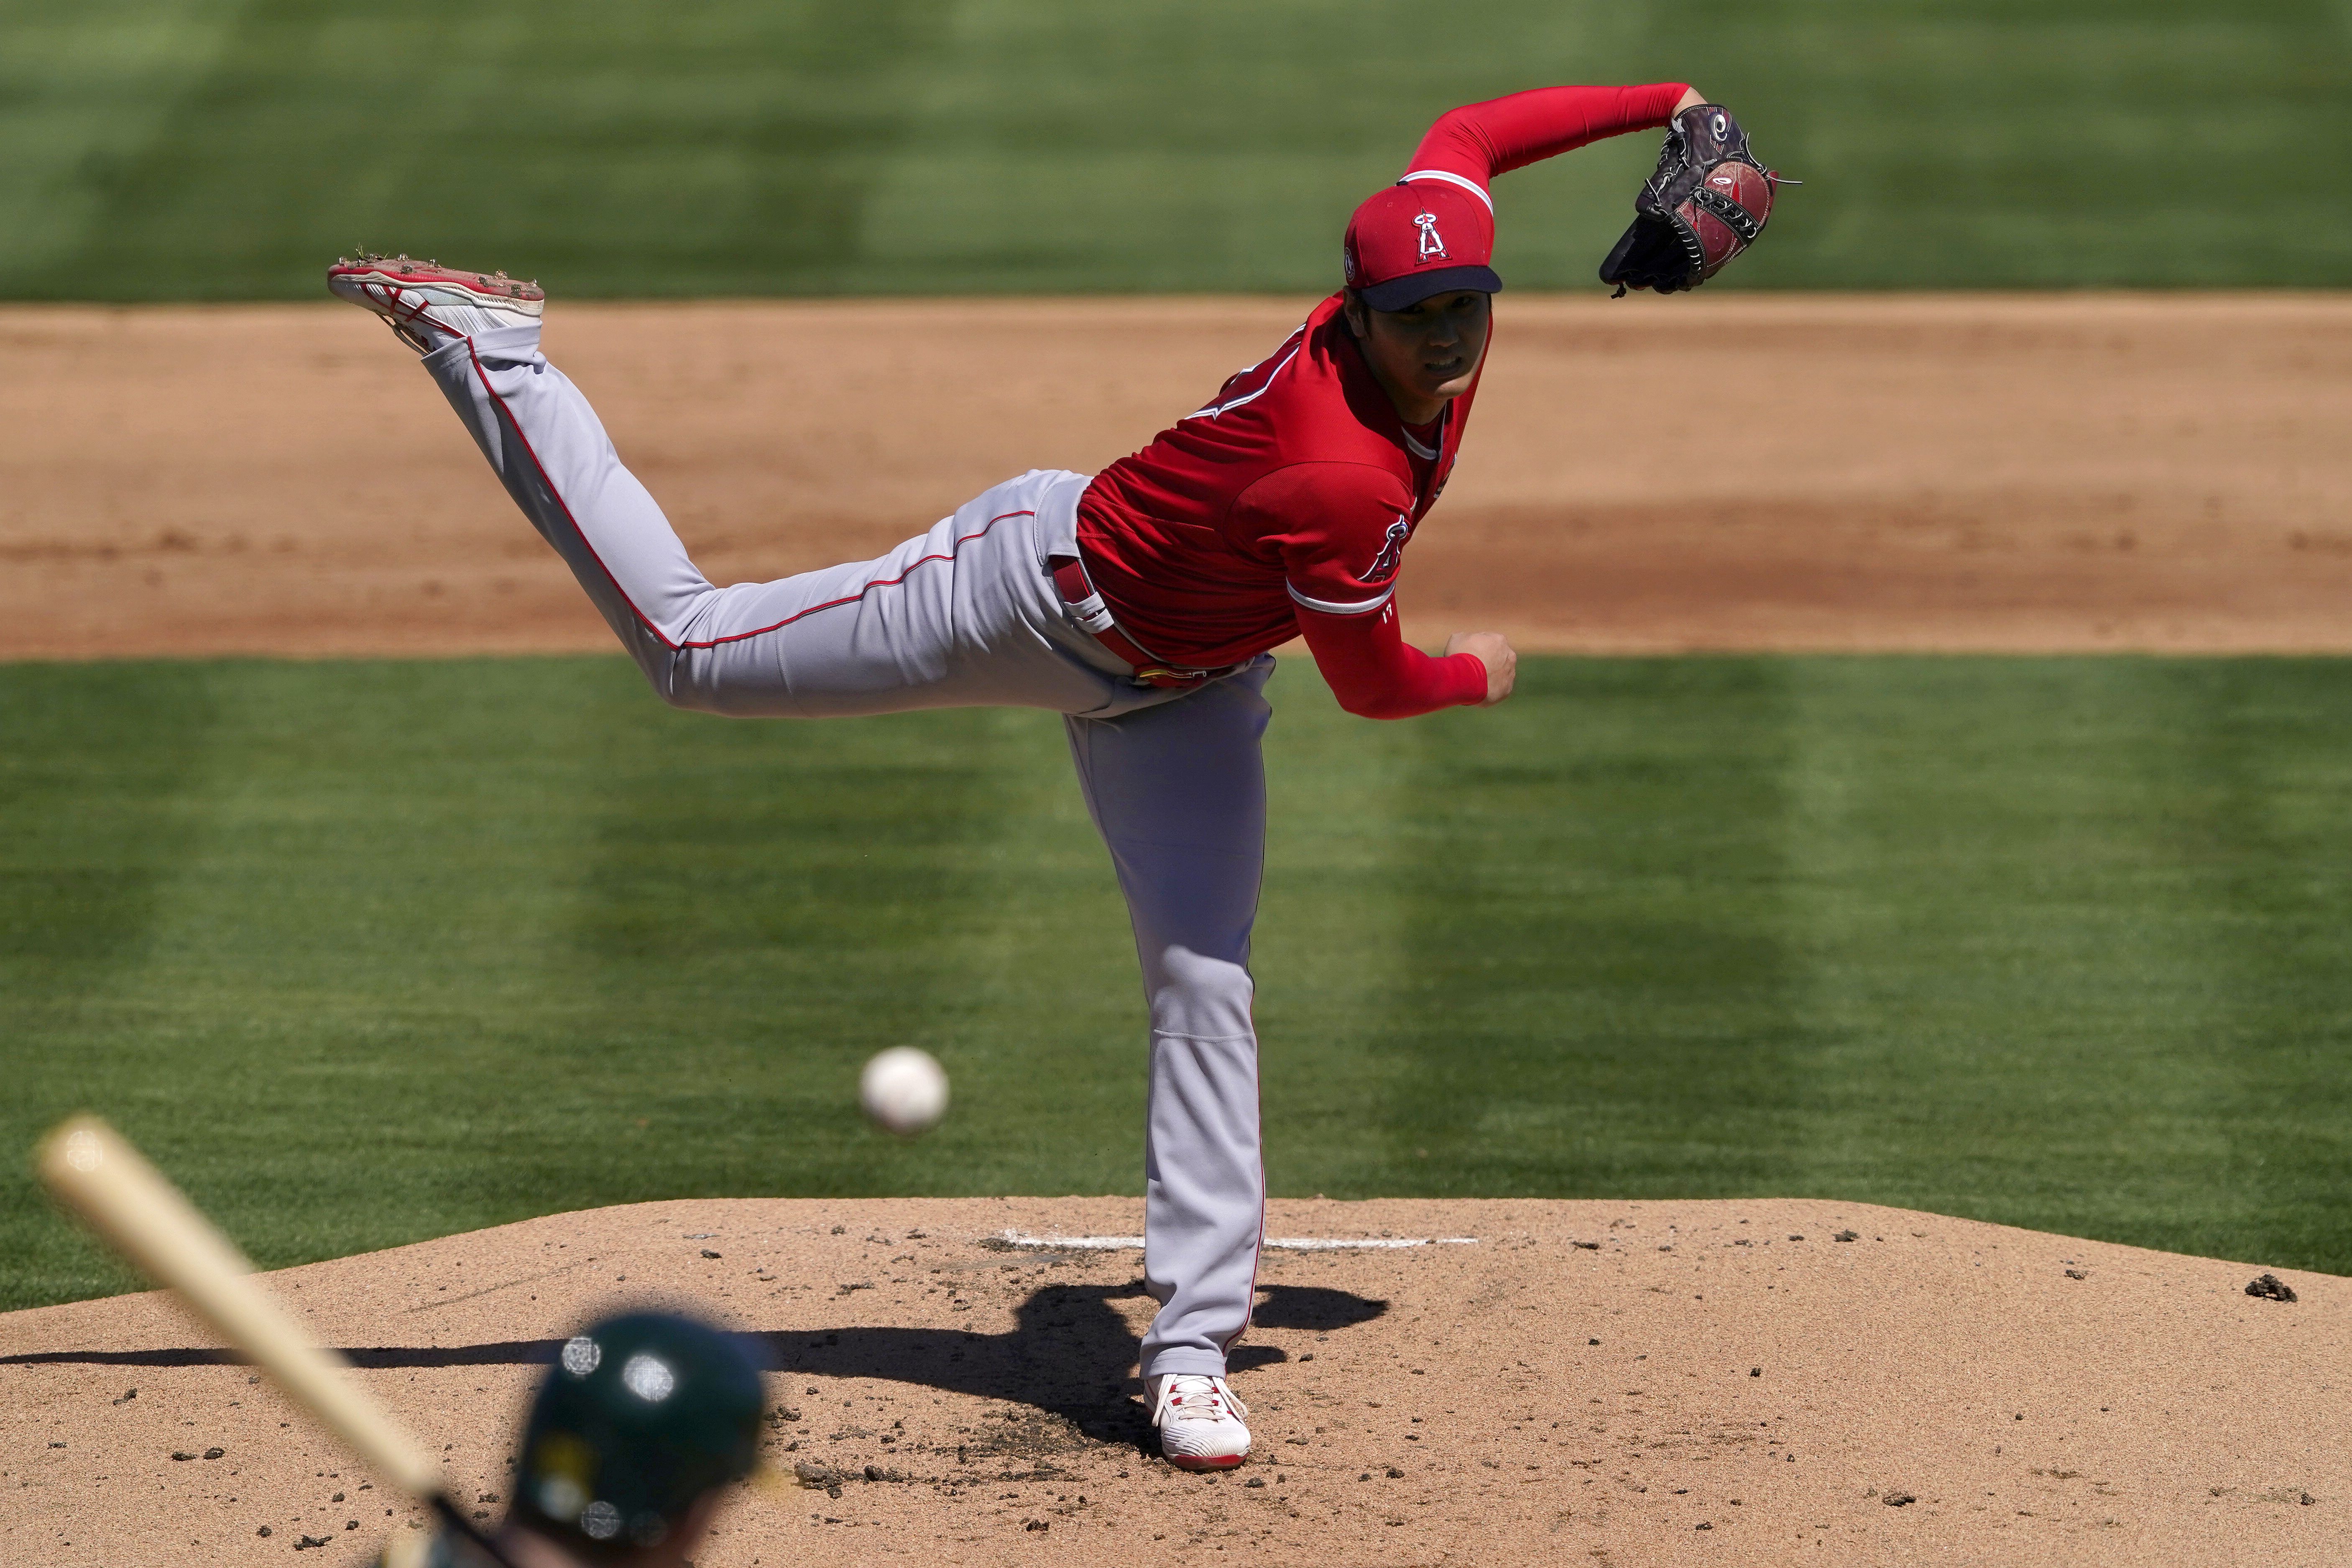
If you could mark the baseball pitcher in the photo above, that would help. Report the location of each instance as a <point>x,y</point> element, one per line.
<point>1138,602</point>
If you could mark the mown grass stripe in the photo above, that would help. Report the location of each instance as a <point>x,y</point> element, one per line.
<point>2012,978</point>
<point>371,951</point>
<point>98,765</point>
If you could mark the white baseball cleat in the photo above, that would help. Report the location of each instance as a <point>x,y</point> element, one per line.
<point>1200,1422</point>
<point>430,305</point>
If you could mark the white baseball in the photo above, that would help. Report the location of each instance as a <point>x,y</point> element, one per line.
<point>903,1090</point>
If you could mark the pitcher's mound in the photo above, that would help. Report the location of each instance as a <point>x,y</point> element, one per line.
<point>1491,1383</point>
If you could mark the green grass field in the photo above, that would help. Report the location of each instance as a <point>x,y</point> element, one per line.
<point>228,149</point>
<point>371,952</point>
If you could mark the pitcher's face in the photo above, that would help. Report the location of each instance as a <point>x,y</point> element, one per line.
<point>1427,353</point>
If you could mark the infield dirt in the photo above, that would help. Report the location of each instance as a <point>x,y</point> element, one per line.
<point>1589,1383</point>
<point>1957,472</point>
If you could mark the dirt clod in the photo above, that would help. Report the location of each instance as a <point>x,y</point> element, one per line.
<point>1899,1500</point>
<point>2271,1287</point>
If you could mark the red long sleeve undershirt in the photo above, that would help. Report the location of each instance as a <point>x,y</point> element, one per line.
<point>1480,141</point>
<point>1369,667</point>
<point>1376,674</point>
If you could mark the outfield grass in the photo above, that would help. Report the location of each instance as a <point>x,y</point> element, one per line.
<point>228,149</point>
<point>372,952</point>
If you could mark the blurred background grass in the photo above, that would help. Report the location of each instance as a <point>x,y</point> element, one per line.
<point>228,149</point>
<point>371,952</point>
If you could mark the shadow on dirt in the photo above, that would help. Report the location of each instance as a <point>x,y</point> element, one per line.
<point>1070,1354</point>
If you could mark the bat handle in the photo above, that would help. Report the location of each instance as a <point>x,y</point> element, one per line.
<point>453,1519</point>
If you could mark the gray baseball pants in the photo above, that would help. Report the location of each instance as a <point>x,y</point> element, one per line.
<point>966,616</point>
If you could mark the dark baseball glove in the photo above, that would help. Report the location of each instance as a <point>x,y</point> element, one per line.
<point>1707,202</point>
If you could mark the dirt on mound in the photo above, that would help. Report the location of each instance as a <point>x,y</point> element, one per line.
<point>1595,1383</point>
<point>1983,472</point>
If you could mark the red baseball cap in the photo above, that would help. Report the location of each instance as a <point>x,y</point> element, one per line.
<point>1412,240</point>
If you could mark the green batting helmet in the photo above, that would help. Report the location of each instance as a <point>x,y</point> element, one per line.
<point>640,1417</point>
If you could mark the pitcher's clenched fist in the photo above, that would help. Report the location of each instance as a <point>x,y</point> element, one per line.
<point>1491,649</point>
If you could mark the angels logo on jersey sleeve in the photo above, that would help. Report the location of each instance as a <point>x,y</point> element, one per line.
<point>1342,590</point>
<point>1391,556</point>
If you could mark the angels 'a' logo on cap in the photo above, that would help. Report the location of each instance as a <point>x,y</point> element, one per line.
<point>1433,244</point>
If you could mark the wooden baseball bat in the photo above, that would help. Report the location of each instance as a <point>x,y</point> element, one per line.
<point>92,1170</point>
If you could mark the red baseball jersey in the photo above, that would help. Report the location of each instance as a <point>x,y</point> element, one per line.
<point>1285,505</point>
<point>1298,487</point>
